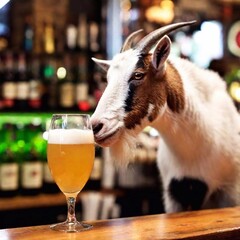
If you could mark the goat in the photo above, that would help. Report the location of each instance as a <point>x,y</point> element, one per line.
<point>199,151</point>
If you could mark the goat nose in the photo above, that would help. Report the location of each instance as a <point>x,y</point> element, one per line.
<point>97,128</point>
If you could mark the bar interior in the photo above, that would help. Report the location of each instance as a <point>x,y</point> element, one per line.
<point>46,68</point>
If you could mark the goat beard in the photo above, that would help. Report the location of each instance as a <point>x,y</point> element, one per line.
<point>123,151</point>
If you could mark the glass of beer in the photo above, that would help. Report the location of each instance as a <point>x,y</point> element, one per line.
<point>70,154</point>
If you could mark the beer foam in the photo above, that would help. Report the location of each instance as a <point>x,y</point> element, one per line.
<point>70,136</point>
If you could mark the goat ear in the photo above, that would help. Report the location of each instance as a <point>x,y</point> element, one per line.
<point>104,64</point>
<point>161,52</point>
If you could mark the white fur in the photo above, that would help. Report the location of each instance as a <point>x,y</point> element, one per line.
<point>204,140</point>
<point>201,142</point>
<point>110,108</point>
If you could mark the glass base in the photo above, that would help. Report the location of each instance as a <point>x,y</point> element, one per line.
<point>71,227</point>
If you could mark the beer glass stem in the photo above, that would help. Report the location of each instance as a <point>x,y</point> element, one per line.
<point>71,218</point>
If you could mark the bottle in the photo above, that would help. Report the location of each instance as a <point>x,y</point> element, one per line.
<point>67,87</point>
<point>31,167</point>
<point>48,38</point>
<point>9,169</point>
<point>94,182</point>
<point>28,35</point>
<point>9,86</point>
<point>50,93</point>
<point>22,83</point>
<point>93,37</point>
<point>82,87</point>
<point>9,166</point>
<point>35,85</point>
<point>71,36</point>
<point>1,83</point>
<point>82,34</point>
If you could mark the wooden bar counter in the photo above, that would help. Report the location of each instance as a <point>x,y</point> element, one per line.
<point>206,224</point>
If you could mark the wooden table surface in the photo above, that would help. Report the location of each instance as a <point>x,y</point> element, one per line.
<point>207,224</point>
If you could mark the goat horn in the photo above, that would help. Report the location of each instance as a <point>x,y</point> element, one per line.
<point>128,42</point>
<point>145,44</point>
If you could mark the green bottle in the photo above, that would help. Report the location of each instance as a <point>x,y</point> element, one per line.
<point>66,86</point>
<point>9,166</point>
<point>31,166</point>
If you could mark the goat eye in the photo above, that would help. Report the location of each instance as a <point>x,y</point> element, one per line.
<point>138,76</point>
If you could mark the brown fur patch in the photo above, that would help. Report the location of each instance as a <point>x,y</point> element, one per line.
<point>156,90</point>
<point>174,88</point>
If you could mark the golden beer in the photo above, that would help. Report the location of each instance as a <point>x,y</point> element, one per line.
<point>70,154</point>
<point>70,158</point>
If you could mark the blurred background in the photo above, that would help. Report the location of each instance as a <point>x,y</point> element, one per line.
<point>45,67</point>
